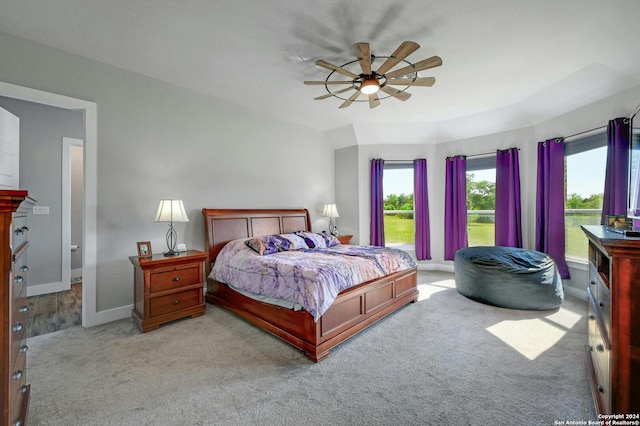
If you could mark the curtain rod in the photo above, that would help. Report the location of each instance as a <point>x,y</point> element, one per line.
<point>396,161</point>
<point>484,153</point>
<point>634,114</point>
<point>586,131</point>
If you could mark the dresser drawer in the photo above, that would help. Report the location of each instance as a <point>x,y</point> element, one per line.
<point>174,302</point>
<point>19,389</point>
<point>18,275</point>
<point>180,276</point>
<point>19,230</point>
<point>18,376</point>
<point>600,356</point>
<point>18,323</point>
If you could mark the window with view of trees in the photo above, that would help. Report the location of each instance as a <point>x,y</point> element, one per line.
<point>397,184</point>
<point>481,206</point>
<point>585,164</point>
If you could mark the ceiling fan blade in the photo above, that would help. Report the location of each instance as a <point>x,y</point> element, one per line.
<point>322,83</point>
<point>363,52</point>
<point>327,65</point>
<point>373,100</point>
<point>403,96</point>
<point>350,100</point>
<point>434,61</point>
<point>424,81</point>
<point>329,95</point>
<point>404,50</point>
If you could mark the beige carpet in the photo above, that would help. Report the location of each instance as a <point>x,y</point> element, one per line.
<point>445,360</point>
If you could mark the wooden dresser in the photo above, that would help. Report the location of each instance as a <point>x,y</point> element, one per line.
<point>14,392</point>
<point>167,288</point>
<point>613,342</point>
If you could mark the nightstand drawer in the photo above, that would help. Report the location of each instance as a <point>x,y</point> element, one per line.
<point>180,276</point>
<point>174,302</point>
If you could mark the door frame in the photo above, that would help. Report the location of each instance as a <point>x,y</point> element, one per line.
<point>67,143</point>
<point>89,208</point>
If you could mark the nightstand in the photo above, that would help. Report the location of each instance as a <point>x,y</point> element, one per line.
<point>344,239</point>
<point>167,288</point>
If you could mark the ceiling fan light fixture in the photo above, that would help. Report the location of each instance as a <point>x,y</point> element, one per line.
<point>369,86</point>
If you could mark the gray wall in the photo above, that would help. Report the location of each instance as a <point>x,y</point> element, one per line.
<point>156,140</point>
<point>42,128</point>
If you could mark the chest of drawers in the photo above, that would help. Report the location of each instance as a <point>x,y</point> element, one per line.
<point>613,333</point>
<point>14,244</point>
<point>167,288</point>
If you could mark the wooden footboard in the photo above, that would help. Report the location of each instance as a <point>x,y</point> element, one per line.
<point>352,311</point>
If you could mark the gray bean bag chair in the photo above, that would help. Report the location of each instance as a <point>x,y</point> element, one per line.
<point>508,277</point>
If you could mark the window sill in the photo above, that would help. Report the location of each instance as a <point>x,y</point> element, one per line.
<point>579,264</point>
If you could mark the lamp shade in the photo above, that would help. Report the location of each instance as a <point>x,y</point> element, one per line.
<point>330,210</point>
<point>171,211</point>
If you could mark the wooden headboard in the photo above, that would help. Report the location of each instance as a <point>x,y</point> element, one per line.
<point>224,225</point>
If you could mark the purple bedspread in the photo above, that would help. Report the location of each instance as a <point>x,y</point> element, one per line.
<point>311,278</point>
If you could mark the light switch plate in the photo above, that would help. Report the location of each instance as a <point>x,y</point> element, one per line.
<point>40,209</point>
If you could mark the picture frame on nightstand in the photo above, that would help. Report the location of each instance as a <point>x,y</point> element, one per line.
<point>144,249</point>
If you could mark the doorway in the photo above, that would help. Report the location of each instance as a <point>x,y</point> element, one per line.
<point>88,246</point>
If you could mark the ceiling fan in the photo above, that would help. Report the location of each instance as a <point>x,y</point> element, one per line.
<point>369,82</point>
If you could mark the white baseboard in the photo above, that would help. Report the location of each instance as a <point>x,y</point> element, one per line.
<point>424,266</point>
<point>38,289</point>
<point>103,317</point>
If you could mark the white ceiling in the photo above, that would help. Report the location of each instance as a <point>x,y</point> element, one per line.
<point>506,63</point>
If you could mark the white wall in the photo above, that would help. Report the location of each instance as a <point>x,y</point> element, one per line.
<point>158,141</point>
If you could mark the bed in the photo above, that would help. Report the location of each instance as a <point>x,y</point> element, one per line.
<point>353,310</point>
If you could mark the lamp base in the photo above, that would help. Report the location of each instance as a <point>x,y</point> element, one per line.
<point>171,253</point>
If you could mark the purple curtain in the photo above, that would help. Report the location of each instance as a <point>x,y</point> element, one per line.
<point>616,182</point>
<point>550,236</point>
<point>508,220</point>
<point>455,206</point>
<point>377,203</point>
<point>421,208</point>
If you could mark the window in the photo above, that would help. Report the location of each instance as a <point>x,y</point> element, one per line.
<point>481,201</point>
<point>397,184</point>
<point>585,165</point>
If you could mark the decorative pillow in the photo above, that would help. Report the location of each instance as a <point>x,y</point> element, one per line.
<point>270,244</point>
<point>315,240</point>
<point>295,242</point>
<point>331,240</point>
<point>261,246</point>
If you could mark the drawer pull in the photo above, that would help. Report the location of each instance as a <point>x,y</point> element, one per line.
<point>18,375</point>
<point>19,279</point>
<point>18,327</point>
<point>592,282</point>
<point>23,349</point>
<point>600,388</point>
<point>23,309</point>
<point>175,302</point>
<point>601,304</point>
<point>176,278</point>
<point>592,317</point>
<point>17,423</point>
<point>600,348</point>
<point>23,389</point>
<point>24,268</point>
